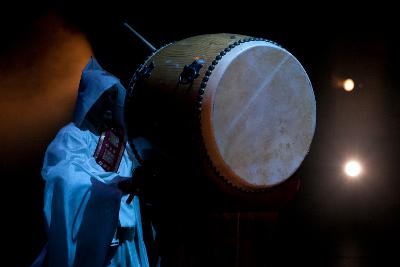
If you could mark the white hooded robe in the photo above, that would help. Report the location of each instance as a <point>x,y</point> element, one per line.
<point>82,205</point>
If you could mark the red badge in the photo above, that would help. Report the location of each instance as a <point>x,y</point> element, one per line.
<point>110,149</point>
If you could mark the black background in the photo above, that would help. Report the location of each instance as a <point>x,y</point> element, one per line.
<point>331,221</point>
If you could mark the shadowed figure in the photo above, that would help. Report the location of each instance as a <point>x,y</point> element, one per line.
<point>89,221</point>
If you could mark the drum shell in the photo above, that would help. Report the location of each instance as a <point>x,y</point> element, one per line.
<point>172,117</point>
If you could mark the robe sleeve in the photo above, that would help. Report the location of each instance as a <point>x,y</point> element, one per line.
<point>82,202</point>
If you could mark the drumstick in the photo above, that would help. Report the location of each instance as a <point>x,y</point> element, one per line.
<point>152,48</point>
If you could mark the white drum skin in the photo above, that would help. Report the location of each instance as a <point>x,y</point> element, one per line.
<point>258,115</point>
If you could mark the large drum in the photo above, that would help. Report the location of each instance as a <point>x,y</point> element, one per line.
<point>240,109</point>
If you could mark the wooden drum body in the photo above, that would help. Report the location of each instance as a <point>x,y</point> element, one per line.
<point>240,110</point>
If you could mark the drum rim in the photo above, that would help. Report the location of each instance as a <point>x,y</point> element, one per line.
<point>216,161</point>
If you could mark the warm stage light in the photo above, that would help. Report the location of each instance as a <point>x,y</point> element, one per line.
<point>38,93</point>
<point>352,168</point>
<point>348,85</point>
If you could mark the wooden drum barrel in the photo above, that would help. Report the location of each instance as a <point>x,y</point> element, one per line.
<point>240,109</point>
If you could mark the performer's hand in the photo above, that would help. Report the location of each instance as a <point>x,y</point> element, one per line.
<point>138,184</point>
<point>129,186</point>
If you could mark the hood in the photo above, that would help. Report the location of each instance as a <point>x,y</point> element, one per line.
<point>94,82</point>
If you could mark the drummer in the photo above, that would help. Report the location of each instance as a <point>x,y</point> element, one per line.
<point>88,219</point>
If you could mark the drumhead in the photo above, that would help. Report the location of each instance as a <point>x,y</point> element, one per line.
<point>258,115</point>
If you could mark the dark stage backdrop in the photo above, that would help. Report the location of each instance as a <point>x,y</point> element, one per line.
<point>332,221</point>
